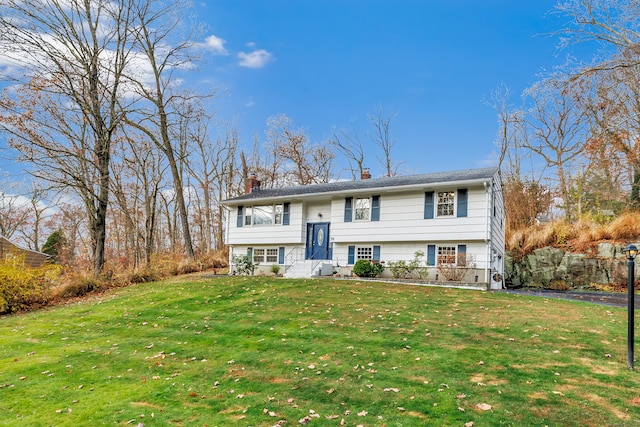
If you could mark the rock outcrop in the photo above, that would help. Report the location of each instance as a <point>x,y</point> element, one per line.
<point>551,267</point>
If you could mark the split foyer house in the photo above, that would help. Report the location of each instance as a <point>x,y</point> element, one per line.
<point>325,228</point>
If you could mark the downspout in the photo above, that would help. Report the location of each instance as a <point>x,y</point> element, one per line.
<point>487,240</point>
<point>226,237</point>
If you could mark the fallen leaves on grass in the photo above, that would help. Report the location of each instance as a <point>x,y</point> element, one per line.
<point>483,407</point>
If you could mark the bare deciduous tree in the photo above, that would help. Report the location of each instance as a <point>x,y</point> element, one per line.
<point>511,130</point>
<point>558,130</point>
<point>308,163</point>
<point>348,143</point>
<point>613,23</point>
<point>158,111</point>
<point>381,137</point>
<point>75,53</point>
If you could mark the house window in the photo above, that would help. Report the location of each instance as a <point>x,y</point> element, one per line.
<point>446,255</point>
<point>452,255</point>
<point>258,255</point>
<point>264,215</point>
<point>268,255</point>
<point>365,252</point>
<point>446,200</point>
<point>371,253</point>
<point>272,255</point>
<point>277,214</point>
<point>363,207</point>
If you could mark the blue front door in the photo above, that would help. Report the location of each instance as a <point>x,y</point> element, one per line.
<point>318,240</point>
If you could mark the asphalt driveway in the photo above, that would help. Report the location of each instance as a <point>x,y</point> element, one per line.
<point>604,298</point>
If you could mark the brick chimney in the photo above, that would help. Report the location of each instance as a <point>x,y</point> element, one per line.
<point>365,174</point>
<point>251,184</point>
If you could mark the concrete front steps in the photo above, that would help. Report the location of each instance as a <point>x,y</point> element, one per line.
<point>309,268</point>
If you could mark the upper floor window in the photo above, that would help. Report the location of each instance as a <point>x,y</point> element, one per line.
<point>277,214</point>
<point>446,202</point>
<point>248,215</point>
<point>363,207</point>
<point>265,214</point>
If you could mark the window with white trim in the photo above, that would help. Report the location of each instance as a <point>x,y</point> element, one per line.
<point>363,209</point>
<point>451,255</point>
<point>446,255</point>
<point>446,203</point>
<point>247,215</point>
<point>263,215</point>
<point>277,214</point>
<point>265,255</point>
<point>364,252</point>
<point>258,255</point>
<point>272,255</point>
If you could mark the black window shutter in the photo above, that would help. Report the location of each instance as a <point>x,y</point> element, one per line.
<point>428,205</point>
<point>462,202</point>
<point>375,208</point>
<point>348,208</point>
<point>240,219</point>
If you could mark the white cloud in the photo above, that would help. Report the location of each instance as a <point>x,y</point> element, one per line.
<point>256,59</point>
<point>216,45</point>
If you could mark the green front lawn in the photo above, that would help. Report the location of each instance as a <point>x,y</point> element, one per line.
<point>264,352</point>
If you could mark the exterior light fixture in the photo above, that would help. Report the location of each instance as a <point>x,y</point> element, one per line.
<point>631,252</point>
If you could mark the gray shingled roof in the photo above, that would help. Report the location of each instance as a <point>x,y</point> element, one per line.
<point>369,184</point>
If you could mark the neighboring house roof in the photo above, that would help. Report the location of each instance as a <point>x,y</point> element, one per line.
<point>469,175</point>
<point>32,258</point>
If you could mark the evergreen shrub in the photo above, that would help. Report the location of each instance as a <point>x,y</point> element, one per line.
<point>366,268</point>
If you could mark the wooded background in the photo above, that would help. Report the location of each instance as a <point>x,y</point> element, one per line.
<point>127,164</point>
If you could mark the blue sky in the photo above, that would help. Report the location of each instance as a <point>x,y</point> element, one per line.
<point>329,63</point>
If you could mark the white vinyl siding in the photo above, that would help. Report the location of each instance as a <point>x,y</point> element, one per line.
<point>265,235</point>
<point>403,221</point>
<point>405,251</point>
